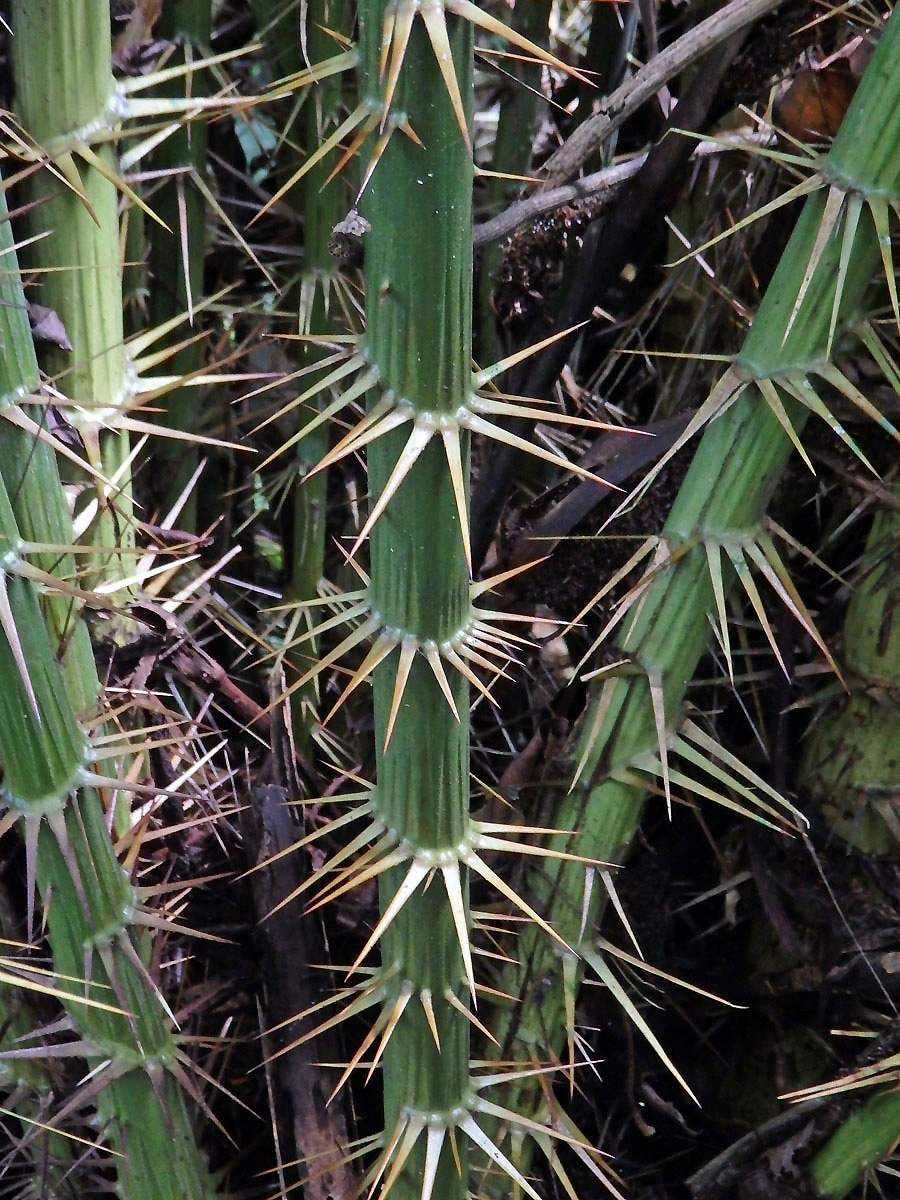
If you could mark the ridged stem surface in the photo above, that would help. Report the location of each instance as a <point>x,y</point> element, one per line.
<point>851,757</point>
<point>177,257</point>
<point>44,754</point>
<point>418,271</point>
<point>63,92</point>
<point>737,465</point>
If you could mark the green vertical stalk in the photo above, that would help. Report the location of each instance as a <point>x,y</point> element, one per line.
<point>418,337</point>
<point>64,85</point>
<point>29,471</point>
<point>851,757</point>
<point>318,314</point>
<point>312,303</point>
<point>610,40</point>
<point>717,516</point>
<point>129,1046</point>
<point>278,25</point>
<point>851,768</point>
<point>177,257</point>
<point>864,1140</point>
<point>519,98</point>
<point>46,765</point>
<point>44,1161</point>
<point>134,269</point>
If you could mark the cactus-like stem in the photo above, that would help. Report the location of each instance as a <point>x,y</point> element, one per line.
<point>714,532</point>
<point>47,769</point>
<point>177,257</point>
<point>418,271</point>
<point>64,94</point>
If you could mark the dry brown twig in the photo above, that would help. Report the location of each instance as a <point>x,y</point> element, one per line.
<point>590,136</point>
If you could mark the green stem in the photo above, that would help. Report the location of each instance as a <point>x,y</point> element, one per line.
<point>519,98</point>
<point>64,86</point>
<point>44,755</point>
<point>851,758</point>
<point>861,1143</point>
<point>418,337</point>
<point>721,503</point>
<point>177,258</point>
<point>312,303</point>
<point>29,471</point>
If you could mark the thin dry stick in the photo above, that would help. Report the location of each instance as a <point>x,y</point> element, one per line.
<point>602,185</point>
<point>590,136</point>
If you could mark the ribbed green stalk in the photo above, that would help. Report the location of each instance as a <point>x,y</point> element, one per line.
<point>610,41</point>
<point>64,84</point>
<point>851,758</point>
<point>29,471</point>
<point>851,767</point>
<point>519,98</point>
<point>311,302</point>
<point>277,26</point>
<point>863,1141</point>
<point>418,337</point>
<point>44,754</point>
<point>181,205</point>
<point>43,1168</point>
<point>735,469</point>
<point>134,268</point>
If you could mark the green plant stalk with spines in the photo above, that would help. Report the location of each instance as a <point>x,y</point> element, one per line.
<point>46,1155</point>
<point>851,756</point>
<point>722,502</point>
<point>850,766</point>
<point>277,26</point>
<point>64,83</point>
<point>63,88</point>
<point>91,916</point>
<point>28,1082</point>
<point>311,305</point>
<point>176,270</point>
<point>135,277</point>
<point>864,1140</point>
<point>519,99</point>
<point>610,41</point>
<point>46,766</point>
<point>418,270</point>
<point>29,471</point>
